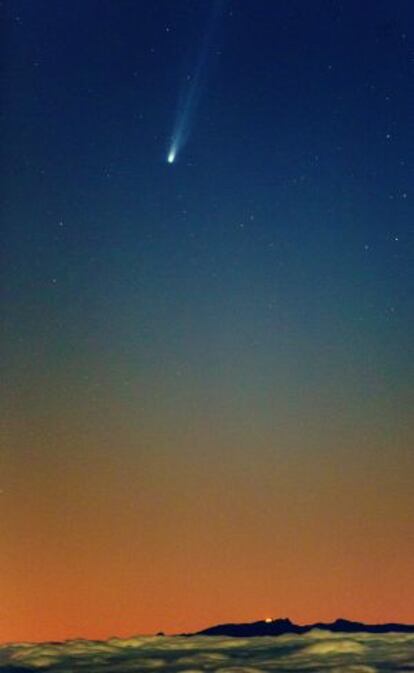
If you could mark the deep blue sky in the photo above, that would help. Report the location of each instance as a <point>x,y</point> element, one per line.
<point>253,298</point>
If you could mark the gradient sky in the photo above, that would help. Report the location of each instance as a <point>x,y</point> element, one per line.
<point>207,366</point>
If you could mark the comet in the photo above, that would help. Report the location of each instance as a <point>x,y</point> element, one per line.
<point>193,87</point>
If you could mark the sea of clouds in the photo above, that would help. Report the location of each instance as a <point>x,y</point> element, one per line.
<point>314,651</point>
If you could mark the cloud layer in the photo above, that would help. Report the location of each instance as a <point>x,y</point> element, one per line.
<point>313,652</point>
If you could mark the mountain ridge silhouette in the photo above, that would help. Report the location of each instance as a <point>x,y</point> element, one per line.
<point>276,627</point>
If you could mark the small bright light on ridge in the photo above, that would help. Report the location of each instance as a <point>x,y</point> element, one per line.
<point>268,620</point>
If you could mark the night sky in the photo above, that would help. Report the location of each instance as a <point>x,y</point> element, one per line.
<point>206,365</point>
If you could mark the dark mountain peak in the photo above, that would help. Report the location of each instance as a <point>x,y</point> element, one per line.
<point>339,624</point>
<point>265,627</point>
<point>347,626</point>
<point>277,627</point>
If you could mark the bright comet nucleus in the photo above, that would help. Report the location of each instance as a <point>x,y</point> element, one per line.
<point>171,157</point>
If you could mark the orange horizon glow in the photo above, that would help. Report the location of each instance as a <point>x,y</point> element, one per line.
<point>108,547</point>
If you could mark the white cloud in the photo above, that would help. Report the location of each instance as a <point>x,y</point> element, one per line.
<point>311,652</point>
